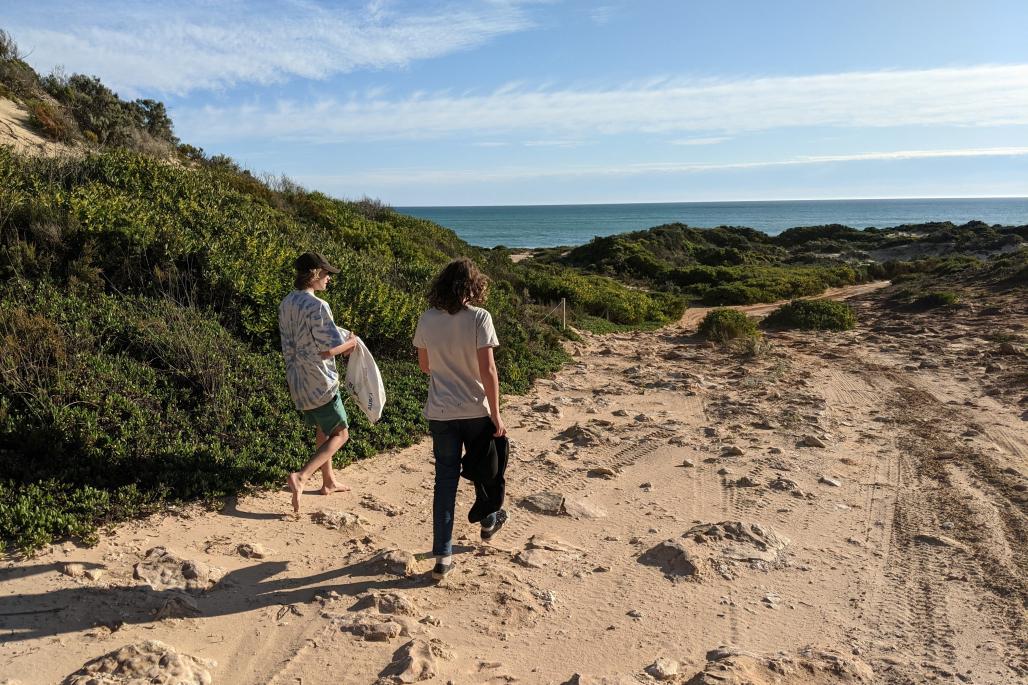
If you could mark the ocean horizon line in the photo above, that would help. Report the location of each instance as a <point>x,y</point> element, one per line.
<point>706,202</point>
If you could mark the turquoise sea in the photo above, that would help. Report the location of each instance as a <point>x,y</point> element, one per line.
<point>551,225</point>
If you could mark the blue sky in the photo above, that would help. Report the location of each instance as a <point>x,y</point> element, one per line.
<point>536,101</point>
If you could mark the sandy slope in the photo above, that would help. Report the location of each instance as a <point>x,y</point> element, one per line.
<point>905,533</point>
<point>16,132</point>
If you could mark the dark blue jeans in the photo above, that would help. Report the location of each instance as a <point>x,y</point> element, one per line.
<point>449,438</point>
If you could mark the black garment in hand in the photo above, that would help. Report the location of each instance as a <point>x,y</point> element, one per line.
<point>485,464</point>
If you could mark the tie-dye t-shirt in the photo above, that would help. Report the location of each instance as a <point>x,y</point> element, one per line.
<point>307,329</point>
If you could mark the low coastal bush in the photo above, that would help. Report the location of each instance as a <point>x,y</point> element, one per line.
<point>812,315</point>
<point>936,299</point>
<point>723,325</point>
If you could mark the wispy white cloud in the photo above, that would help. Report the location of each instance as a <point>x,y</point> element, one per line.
<point>393,177</point>
<point>180,47</point>
<point>987,95</point>
<point>602,14</point>
<point>553,143</point>
<point>701,141</point>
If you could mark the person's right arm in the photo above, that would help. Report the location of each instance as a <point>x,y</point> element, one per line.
<point>423,360</point>
<point>491,381</point>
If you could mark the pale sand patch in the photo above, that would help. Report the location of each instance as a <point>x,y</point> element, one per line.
<point>16,132</point>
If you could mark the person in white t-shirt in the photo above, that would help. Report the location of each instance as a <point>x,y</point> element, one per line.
<point>310,343</point>
<point>455,340</point>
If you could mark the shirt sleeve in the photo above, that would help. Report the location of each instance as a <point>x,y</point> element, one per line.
<point>323,329</point>
<point>419,335</point>
<point>485,334</point>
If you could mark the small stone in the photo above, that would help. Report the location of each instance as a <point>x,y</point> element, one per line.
<point>551,503</point>
<point>688,463</point>
<point>710,431</point>
<point>582,509</point>
<point>533,558</point>
<point>812,441</point>
<point>745,482</point>
<point>179,605</point>
<point>724,471</point>
<point>252,550</point>
<point>635,613</point>
<point>620,412</point>
<point>782,484</point>
<point>601,472</point>
<point>73,570</point>
<point>663,669</point>
<point>94,574</point>
<point>829,481</point>
<point>732,451</point>
<point>548,408</point>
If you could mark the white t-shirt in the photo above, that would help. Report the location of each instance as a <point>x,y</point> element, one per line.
<point>455,389</point>
<point>306,327</point>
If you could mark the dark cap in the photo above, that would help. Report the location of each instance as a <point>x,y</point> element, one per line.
<point>309,261</point>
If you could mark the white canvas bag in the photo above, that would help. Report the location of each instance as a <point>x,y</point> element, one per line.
<point>364,381</point>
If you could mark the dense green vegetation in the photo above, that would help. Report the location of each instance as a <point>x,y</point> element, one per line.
<point>723,324</point>
<point>139,289</point>
<point>736,266</point>
<point>812,315</point>
<point>958,280</point>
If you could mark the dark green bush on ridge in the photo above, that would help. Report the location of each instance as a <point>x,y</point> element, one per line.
<point>812,315</point>
<point>723,325</point>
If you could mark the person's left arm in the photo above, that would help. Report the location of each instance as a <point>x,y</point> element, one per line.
<point>423,360</point>
<point>346,348</point>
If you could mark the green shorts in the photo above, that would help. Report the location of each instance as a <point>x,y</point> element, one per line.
<point>328,417</point>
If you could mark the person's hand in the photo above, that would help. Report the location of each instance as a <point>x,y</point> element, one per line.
<point>352,342</point>
<point>501,428</point>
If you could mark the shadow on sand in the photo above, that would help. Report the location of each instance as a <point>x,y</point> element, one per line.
<point>69,610</point>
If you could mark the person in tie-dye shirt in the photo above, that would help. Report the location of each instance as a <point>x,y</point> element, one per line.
<point>310,342</point>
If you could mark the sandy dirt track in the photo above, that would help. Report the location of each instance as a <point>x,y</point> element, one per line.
<point>845,508</point>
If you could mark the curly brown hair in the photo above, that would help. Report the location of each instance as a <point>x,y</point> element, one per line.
<point>460,283</point>
<point>304,279</point>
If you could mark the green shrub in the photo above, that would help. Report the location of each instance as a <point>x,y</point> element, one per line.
<point>812,315</point>
<point>936,299</point>
<point>722,325</point>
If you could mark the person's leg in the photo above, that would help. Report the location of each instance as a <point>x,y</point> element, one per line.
<point>446,447</point>
<point>329,484</point>
<point>324,453</point>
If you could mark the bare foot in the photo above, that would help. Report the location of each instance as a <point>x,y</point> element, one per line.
<point>295,487</point>
<point>329,488</point>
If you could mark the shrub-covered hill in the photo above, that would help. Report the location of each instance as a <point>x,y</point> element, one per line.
<point>139,287</point>
<point>139,358</point>
<point>731,265</point>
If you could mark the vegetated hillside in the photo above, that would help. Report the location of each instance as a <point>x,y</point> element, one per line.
<point>139,287</point>
<point>731,265</point>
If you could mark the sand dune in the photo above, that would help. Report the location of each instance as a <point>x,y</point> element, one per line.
<point>846,508</point>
